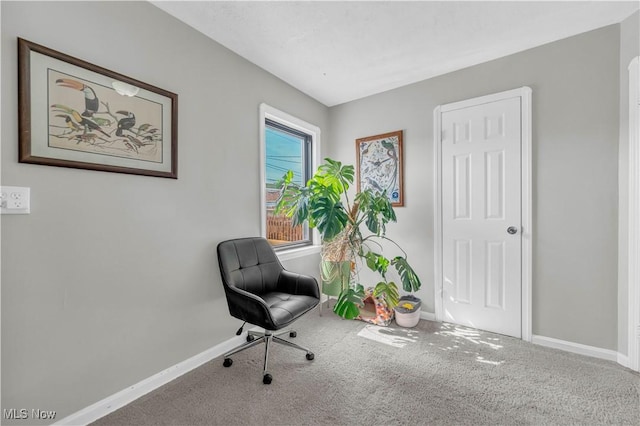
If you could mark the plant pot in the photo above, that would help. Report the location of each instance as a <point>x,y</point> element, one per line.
<point>407,312</point>
<point>335,276</point>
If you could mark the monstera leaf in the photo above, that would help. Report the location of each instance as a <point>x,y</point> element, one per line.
<point>349,301</point>
<point>377,263</point>
<point>328,216</point>
<point>377,210</point>
<point>410,280</point>
<point>333,174</point>
<point>388,290</point>
<point>293,201</point>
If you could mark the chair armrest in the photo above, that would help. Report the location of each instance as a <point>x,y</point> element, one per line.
<point>249,307</point>
<point>298,284</point>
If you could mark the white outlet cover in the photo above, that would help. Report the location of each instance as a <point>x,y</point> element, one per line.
<point>15,200</point>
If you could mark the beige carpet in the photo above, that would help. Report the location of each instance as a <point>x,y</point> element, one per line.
<point>436,374</point>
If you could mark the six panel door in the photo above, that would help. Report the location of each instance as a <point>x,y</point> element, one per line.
<point>481,216</point>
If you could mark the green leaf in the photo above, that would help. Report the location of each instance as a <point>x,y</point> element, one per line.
<point>373,223</point>
<point>377,209</point>
<point>389,291</point>
<point>328,216</point>
<point>385,207</point>
<point>294,203</point>
<point>333,174</point>
<point>300,211</point>
<point>371,260</point>
<point>410,280</point>
<point>377,262</point>
<point>384,210</point>
<point>364,198</point>
<point>288,177</point>
<point>366,205</point>
<point>318,190</point>
<point>349,301</point>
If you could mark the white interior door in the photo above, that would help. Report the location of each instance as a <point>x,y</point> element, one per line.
<point>482,216</point>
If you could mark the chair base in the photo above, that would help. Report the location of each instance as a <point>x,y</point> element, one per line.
<point>255,338</point>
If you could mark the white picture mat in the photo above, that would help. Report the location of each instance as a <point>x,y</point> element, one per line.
<point>40,108</point>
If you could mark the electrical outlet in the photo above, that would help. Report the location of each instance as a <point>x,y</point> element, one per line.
<point>15,204</point>
<point>15,200</point>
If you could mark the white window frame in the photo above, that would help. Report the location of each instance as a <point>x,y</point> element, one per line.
<point>274,114</point>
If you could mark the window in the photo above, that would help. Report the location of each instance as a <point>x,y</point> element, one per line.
<point>285,149</point>
<point>287,144</point>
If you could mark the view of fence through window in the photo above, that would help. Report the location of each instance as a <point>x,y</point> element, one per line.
<point>286,149</point>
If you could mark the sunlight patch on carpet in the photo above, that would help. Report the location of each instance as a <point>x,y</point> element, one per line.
<point>459,333</point>
<point>396,337</point>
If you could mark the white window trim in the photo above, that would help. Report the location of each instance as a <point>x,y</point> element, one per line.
<point>271,113</point>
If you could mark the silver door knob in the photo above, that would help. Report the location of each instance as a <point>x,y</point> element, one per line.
<point>512,230</point>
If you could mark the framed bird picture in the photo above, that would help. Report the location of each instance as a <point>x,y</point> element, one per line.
<point>379,165</point>
<point>76,114</point>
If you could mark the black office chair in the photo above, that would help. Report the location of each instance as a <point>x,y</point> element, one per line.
<point>261,292</point>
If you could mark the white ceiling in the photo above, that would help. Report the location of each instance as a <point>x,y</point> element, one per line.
<point>340,51</point>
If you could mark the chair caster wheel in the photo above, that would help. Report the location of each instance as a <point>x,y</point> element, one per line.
<point>310,356</point>
<point>227,362</point>
<point>250,338</point>
<point>292,334</point>
<point>266,379</point>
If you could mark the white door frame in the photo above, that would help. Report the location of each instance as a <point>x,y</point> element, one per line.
<point>633,343</point>
<point>524,93</point>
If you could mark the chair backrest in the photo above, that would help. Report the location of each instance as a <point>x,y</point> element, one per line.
<point>249,264</point>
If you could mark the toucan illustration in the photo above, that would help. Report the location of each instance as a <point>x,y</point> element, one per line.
<point>125,123</point>
<point>91,102</point>
<point>85,122</point>
<point>70,123</point>
<point>88,124</point>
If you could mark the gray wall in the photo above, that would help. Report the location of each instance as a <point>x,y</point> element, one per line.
<point>113,278</point>
<point>629,49</point>
<point>575,86</point>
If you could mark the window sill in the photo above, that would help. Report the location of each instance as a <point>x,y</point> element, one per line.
<point>294,253</point>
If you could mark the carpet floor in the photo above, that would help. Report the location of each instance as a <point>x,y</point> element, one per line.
<point>436,374</point>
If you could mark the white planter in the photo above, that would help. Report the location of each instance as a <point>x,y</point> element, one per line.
<point>408,320</point>
<point>409,315</point>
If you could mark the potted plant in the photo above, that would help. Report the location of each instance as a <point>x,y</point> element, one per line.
<point>349,230</point>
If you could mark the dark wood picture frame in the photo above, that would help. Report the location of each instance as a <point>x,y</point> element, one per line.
<point>379,163</point>
<point>71,115</point>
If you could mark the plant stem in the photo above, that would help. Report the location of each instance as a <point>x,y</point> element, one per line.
<point>388,239</point>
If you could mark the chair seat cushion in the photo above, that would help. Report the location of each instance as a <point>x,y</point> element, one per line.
<point>285,308</point>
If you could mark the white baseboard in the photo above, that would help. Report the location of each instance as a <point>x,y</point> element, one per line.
<point>126,396</point>
<point>623,360</point>
<point>577,348</point>
<point>427,316</point>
